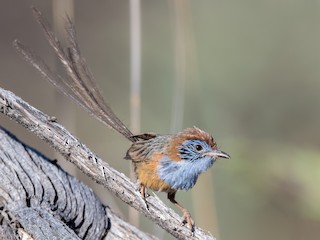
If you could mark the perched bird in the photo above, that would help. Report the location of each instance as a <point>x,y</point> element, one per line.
<point>166,163</point>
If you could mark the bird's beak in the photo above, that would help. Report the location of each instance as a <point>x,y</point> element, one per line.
<point>217,154</point>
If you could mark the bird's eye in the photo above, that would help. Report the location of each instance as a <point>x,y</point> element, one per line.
<point>199,147</point>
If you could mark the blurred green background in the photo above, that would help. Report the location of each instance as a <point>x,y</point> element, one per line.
<point>250,77</point>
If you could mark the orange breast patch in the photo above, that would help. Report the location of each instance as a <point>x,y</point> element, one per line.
<point>146,172</point>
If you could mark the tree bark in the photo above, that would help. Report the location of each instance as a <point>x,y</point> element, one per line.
<point>39,200</point>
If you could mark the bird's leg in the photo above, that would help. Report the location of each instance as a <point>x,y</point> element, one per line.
<point>142,189</point>
<point>186,218</point>
<point>143,193</point>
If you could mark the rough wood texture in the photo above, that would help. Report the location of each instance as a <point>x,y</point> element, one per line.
<point>89,163</point>
<point>38,200</point>
<point>43,200</point>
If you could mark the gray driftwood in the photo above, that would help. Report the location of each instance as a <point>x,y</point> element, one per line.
<point>38,200</point>
<point>90,164</point>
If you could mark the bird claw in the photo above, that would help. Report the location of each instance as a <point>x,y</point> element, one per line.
<point>187,220</point>
<point>145,201</point>
<point>144,194</point>
<point>146,204</point>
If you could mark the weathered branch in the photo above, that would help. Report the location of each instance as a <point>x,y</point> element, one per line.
<point>90,164</point>
<point>40,200</point>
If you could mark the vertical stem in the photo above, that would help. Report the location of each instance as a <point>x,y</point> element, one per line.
<point>135,79</point>
<point>180,66</point>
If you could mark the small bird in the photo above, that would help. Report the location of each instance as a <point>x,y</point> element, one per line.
<point>165,163</point>
<point>168,163</point>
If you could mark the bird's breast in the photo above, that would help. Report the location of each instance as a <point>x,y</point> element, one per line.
<point>147,173</point>
<point>182,175</point>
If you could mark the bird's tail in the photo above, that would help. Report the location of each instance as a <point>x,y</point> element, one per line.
<point>80,84</point>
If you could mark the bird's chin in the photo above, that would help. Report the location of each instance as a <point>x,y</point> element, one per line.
<point>213,160</point>
<point>205,163</point>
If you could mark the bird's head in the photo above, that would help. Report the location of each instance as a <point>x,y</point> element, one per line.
<point>194,144</point>
<point>189,153</point>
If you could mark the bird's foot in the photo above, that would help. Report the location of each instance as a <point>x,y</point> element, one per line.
<point>142,189</point>
<point>146,204</point>
<point>144,195</point>
<point>187,220</point>
<point>144,200</point>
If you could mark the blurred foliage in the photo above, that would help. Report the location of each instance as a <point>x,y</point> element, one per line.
<point>256,89</point>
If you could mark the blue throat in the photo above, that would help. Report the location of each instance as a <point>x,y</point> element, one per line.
<point>183,174</point>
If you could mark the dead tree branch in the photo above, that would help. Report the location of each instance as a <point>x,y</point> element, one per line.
<point>89,163</point>
<point>40,200</point>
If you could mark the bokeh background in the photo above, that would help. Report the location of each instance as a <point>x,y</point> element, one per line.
<point>245,71</point>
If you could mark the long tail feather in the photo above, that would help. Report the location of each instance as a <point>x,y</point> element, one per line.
<point>80,84</point>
